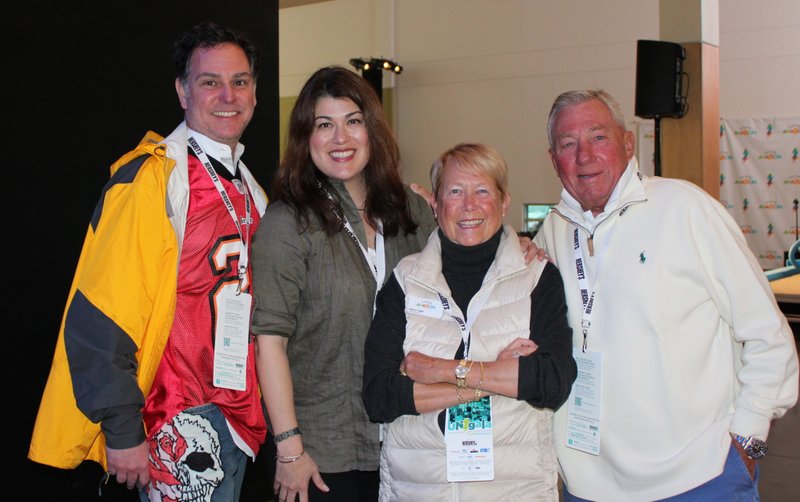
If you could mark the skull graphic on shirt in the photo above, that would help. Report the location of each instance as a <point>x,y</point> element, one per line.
<point>184,460</point>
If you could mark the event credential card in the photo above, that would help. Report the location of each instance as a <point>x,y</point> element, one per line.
<point>469,441</point>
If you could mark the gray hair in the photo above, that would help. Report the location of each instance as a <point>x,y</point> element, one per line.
<point>572,98</point>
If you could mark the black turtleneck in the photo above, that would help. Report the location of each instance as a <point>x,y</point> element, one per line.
<point>464,267</point>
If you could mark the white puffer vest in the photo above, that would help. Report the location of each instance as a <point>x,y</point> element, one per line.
<point>413,456</point>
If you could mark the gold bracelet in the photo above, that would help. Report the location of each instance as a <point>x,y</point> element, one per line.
<point>289,458</point>
<point>480,382</point>
<point>460,399</point>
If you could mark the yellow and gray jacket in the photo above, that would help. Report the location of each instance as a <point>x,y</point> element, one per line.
<point>120,306</point>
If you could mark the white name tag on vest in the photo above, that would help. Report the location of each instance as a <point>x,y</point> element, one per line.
<point>469,441</point>
<point>231,334</point>
<point>585,403</point>
<point>424,306</point>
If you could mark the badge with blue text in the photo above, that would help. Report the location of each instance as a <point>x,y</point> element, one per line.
<point>469,441</point>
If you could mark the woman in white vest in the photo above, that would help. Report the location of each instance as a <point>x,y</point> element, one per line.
<point>469,352</point>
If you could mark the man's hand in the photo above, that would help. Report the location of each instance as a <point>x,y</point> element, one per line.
<point>422,192</point>
<point>531,250</point>
<point>130,465</point>
<point>748,462</point>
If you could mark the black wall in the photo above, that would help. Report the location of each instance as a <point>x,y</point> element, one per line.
<point>83,83</point>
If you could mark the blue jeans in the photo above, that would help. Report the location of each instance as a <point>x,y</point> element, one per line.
<point>193,455</point>
<point>733,485</point>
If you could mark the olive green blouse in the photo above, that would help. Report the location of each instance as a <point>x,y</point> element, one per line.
<point>318,291</point>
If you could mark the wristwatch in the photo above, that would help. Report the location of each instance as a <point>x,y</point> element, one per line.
<point>461,374</point>
<point>754,448</point>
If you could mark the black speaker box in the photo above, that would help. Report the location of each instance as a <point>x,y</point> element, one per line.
<point>659,73</point>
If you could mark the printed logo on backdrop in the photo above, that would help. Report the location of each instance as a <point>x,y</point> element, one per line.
<point>746,180</point>
<point>794,230</point>
<point>745,131</point>
<point>793,129</point>
<point>758,161</point>
<point>770,204</point>
<point>770,155</point>
<point>726,204</point>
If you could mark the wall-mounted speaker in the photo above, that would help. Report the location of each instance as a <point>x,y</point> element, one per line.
<point>659,77</point>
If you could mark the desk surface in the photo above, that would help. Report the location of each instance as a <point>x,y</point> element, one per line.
<point>787,289</point>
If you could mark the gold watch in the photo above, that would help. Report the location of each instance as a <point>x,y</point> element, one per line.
<point>461,372</point>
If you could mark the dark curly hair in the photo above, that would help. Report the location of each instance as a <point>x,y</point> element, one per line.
<point>205,35</point>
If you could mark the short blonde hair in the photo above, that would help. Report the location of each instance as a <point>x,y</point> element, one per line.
<point>476,158</point>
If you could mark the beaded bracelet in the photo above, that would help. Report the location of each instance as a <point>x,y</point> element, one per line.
<point>289,458</point>
<point>287,434</point>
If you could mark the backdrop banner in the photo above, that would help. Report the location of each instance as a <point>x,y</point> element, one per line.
<point>759,180</point>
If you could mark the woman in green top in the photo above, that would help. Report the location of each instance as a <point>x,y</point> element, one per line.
<point>339,220</point>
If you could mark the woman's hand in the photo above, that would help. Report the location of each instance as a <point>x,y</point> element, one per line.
<point>518,348</point>
<point>291,479</point>
<point>422,368</point>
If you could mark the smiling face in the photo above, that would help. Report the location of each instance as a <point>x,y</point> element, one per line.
<point>469,206</point>
<point>339,142</point>
<point>590,152</point>
<point>220,93</point>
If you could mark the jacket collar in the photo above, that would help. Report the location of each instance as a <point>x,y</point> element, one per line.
<point>629,189</point>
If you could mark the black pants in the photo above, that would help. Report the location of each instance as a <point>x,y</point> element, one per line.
<point>350,486</point>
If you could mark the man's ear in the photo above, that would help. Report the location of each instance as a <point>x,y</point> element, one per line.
<point>181,93</point>
<point>630,142</point>
<point>552,156</point>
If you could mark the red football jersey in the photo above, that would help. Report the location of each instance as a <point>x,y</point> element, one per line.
<point>209,262</point>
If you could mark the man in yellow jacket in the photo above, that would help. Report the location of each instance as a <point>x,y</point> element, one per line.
<point>154,361</point>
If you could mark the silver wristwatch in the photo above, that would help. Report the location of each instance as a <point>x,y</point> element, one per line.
<point>754,448</point>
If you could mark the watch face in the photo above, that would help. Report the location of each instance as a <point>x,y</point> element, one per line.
<point>756,449</point>
<point>461,371</point>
